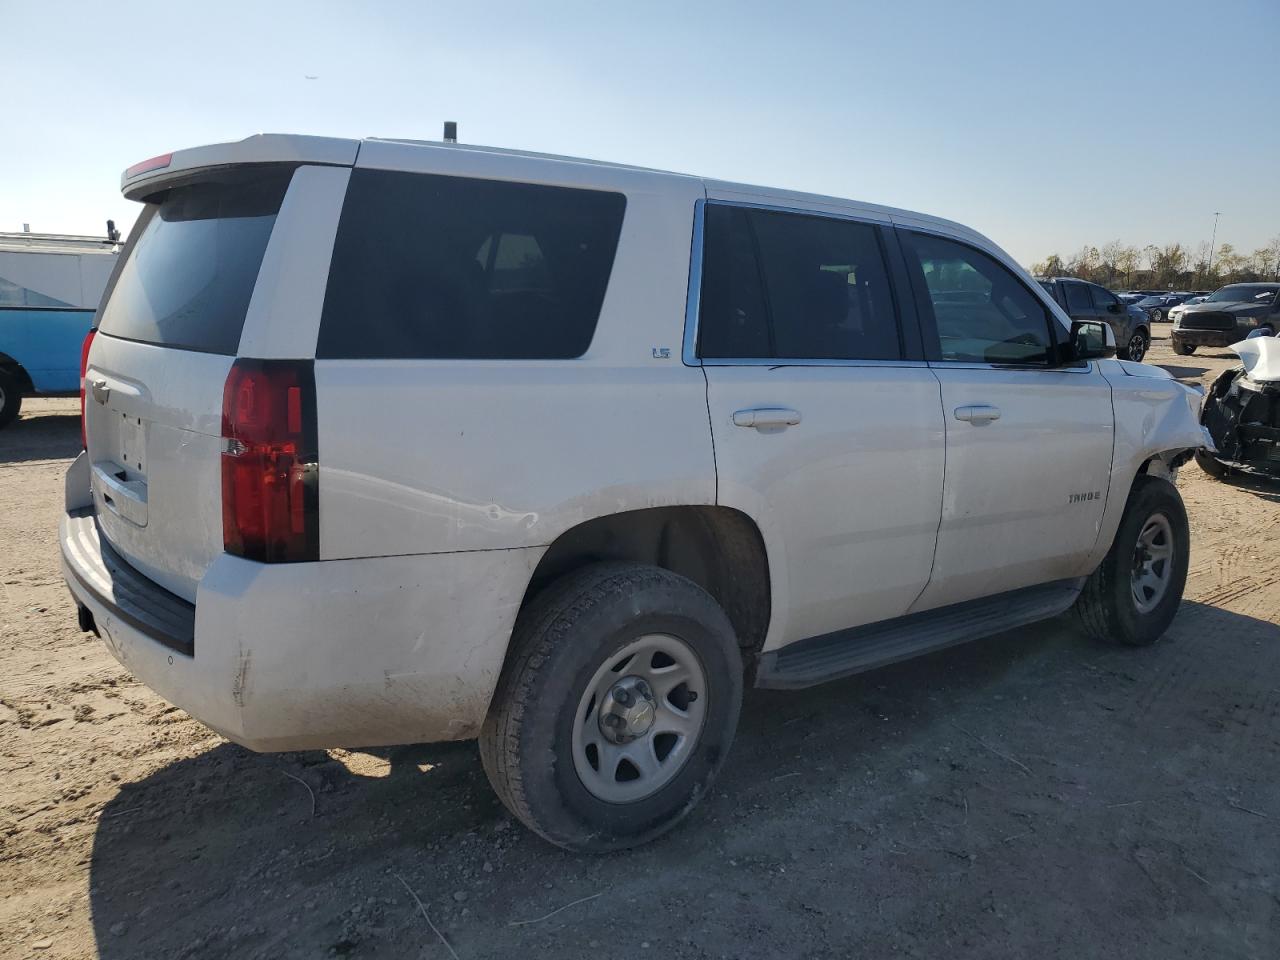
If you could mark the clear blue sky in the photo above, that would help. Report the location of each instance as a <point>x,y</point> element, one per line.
<point>1043,125</point>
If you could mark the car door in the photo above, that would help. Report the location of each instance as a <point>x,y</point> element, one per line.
<point>1028,442</point>
<point>826,420</point>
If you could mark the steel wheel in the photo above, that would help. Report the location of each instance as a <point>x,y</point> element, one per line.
<point>639,719</point>
<point>1152,568</point>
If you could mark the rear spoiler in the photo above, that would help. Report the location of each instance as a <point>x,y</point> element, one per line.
<point>146,177</point>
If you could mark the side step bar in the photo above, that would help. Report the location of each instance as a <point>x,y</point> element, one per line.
<point>818,659</point>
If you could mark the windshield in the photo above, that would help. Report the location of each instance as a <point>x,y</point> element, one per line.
<point>1241,292</point>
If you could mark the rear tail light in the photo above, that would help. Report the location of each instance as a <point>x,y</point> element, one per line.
<point>146,166</point>
<point>270,508</point>
<point>84,367</point>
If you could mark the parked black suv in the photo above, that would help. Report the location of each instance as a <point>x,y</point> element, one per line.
<point>1229,315</point>
<point>1088,301</point>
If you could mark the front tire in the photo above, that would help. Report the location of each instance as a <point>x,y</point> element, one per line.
<point>616,707</point>
<point>1212,466</point>
<point>1134,594</point>
<point>10,399</point>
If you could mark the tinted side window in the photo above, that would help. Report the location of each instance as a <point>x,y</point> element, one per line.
<point>1077,298</point>
<point>1052,288</point>
<point>982,311</point>
<point>733,321</point>
<point>435,267</point>
<point>15,295</point>
<point>1101,298</point>
<point>794,286</point>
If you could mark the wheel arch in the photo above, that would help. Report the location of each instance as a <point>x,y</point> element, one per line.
<point>719,548</point>
<point>15,369</point>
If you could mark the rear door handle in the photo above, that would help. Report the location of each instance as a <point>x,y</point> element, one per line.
<point>764,418</point>
<point>978,413</point>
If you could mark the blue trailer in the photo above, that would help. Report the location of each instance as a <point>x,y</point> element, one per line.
<point>50,286</point>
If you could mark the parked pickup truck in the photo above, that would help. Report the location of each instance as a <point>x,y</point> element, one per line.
<point>50,286</point>
<point>391,442</point>
<point>1227,316</point>
<point>1087,301</point>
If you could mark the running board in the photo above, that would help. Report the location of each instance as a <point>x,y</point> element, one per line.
<point>832,655</point>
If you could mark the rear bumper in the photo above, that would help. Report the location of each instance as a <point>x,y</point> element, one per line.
<point>351,653</point>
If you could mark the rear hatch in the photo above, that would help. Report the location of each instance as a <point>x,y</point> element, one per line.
<point>168,335</point>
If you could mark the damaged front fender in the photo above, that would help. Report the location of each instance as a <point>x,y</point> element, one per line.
<point>1157,429</point>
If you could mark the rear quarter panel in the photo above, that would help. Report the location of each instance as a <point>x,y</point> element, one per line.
<point>428,456</point>
<point>46,344</point>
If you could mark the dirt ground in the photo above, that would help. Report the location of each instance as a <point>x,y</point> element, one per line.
<point>1033,795</point>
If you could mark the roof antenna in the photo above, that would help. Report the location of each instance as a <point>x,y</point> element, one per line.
<point>450,131</point>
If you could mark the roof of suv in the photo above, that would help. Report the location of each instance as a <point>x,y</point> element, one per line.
<point>139,180</point>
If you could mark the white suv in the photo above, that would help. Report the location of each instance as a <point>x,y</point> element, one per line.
<point>392,442</point>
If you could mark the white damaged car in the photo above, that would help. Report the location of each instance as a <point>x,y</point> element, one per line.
<point>392,441</point>
<point>1241,414</point>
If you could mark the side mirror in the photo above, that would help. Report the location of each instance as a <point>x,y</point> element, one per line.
<point>1114,307</point>
<point>1091,340</point>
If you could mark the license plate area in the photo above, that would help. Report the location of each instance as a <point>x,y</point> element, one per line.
<point>131,446</point>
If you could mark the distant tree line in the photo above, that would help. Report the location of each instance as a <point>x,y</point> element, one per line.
<point>1171,267</point>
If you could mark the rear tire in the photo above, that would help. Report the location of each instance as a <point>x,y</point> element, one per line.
<point>1109,607</point>
<point>10,399</point>
<point>1138,344</point>
<point>555,704</point>
<point>1183,349</point>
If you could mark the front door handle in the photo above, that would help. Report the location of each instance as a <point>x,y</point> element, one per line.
<point>766,418</point>
<point>978,413</point>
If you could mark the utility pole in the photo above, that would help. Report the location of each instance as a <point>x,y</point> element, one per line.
<point>1213,241</point>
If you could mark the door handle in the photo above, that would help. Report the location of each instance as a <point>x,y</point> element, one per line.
<point>764,418</point>
<point>978,413</point>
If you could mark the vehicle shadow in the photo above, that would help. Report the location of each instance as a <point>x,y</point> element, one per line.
<point>226,853</point>
<point>1263,488</point>
<point>1184,373</point>
<point>41,436</point>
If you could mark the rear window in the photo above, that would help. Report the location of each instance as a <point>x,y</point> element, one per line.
<point>434,267</point>
<point>188,279</point>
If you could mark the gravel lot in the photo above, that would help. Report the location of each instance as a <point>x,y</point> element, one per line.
<point>1031,795</point>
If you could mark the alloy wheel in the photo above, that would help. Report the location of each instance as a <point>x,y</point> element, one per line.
<point>1152,568</point>
<point>1137,347</point>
